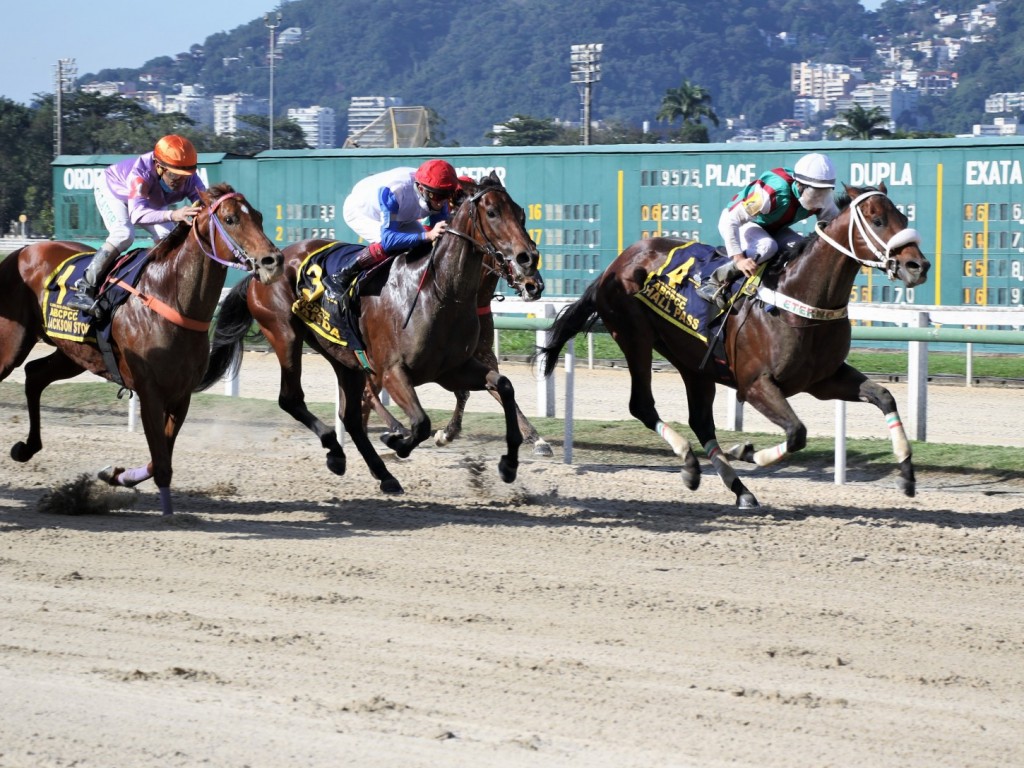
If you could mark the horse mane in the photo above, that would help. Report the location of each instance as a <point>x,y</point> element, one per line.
<point>177,235</point>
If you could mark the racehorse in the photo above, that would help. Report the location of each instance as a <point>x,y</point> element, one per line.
<point>793,337</point>
<point>493,271</point>
<point>158,336</point>
<point>421,326</point>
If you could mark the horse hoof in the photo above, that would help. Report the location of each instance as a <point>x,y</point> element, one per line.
<point>396,444</point>
<point>540,448</point>
<point>336,464</point>
<point>391,486</point>
<point>441,439</point>
<point>109,474</point>
<point>746,501</point>
<point>744,452</point>
<point>21,452</point>
<point>690,479</point>
<point>907,487</point>
<point>507,469</point>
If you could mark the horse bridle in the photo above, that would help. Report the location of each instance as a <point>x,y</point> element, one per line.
<point>505,268</point>
<point>858,224</point>
<point>240,259</point>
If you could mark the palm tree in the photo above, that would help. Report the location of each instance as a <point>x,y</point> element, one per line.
<point>860,123</point>
<point>689,102</point>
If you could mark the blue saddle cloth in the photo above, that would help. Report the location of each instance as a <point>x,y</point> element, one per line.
<point>64,322</point>
<point>671,289</point>
<point>338,322</point>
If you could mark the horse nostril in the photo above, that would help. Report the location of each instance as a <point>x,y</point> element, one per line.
<point>523,259</point>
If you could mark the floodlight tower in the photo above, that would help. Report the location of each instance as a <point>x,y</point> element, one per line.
<point>585,68</point>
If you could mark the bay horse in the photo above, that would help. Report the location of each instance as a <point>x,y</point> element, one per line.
<point>493,271</point>
<point>793,337</point>
<point>159,335</point>
<point>421,327</point>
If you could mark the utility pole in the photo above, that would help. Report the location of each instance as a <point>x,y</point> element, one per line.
<point>272,26</point>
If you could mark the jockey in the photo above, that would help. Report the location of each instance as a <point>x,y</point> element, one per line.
<point>139,191</point>
<point>758,218</point>
<point>386,210</point>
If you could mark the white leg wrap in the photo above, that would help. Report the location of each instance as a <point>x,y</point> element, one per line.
<point>768,456</point>
<point>900,444</point>
<point>680,445</point>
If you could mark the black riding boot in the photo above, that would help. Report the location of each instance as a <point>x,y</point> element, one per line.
<point>337,285</point>
<point>84,297</point>
<point>714,287</point>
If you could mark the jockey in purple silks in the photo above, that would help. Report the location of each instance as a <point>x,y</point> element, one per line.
<point>139,192</point>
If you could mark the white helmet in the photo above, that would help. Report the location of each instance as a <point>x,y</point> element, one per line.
<point>815,170</point>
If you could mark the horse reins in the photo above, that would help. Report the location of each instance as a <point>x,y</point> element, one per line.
<point>883,259</point>
<point>242,261</point>
<point>504,269</point>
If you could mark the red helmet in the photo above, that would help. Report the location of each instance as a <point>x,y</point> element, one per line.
<point>437,176</point>
<point>177,154</point>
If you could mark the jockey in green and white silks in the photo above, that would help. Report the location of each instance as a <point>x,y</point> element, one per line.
<point>758,218</point>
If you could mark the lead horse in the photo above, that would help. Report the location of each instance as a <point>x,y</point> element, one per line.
<point>793,338</point>
<point>422,326</point>
<point>158,335</point>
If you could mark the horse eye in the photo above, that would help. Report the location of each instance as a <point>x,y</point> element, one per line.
<point>492,213</point>
<point>231,220</point>
<point>877,221</point>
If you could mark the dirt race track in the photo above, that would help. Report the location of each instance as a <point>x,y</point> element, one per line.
<point>580,616</point>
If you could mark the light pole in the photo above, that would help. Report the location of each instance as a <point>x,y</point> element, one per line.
<point>66,70</point>
<point>272,26</point>
<point>585,67</point>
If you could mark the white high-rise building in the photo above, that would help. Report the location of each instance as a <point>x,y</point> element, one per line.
<point>228,107</point>
<point>318,126</point>
<point>363,110</point>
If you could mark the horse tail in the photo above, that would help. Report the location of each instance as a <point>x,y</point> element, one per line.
<point>234,320</point>
<point>578,317</point>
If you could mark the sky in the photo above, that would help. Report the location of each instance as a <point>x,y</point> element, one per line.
<point>101,34</point>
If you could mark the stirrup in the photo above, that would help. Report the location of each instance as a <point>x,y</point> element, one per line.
<point>83,299</point>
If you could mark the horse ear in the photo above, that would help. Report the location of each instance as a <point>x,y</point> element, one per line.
<point>493,176</point>
<point>882,189</point>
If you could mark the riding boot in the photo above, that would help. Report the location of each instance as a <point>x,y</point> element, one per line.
<point>713,289</point>
<point>84,297</point>
<point>338,284</point>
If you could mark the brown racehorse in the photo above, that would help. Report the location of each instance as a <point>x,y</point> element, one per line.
<point>492,273</point>
<point>159,334</point>
<point>772,353</point>
<point>422,326</point>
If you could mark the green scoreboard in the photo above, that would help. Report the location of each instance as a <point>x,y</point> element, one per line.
<point>586,204</point>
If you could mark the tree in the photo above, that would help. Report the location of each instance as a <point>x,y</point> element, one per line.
<point>690,103</point>
<point>528,131</point>
<point>860,123</point>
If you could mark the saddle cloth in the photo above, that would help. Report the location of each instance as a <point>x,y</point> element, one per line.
<point>671,290</point>
<point>64,322</point>
<point>325,316</point>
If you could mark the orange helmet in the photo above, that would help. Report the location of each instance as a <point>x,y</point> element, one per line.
<point>437,176</point>
<point>177,154</point>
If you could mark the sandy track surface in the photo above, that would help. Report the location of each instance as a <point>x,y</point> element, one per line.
<point>579,616</point>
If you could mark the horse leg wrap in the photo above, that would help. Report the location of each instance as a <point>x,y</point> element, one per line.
<point>900,444</point>
<point>132,477</point>
<point>165,502</point>
<point>768,456</point>
<point>680,446</point>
